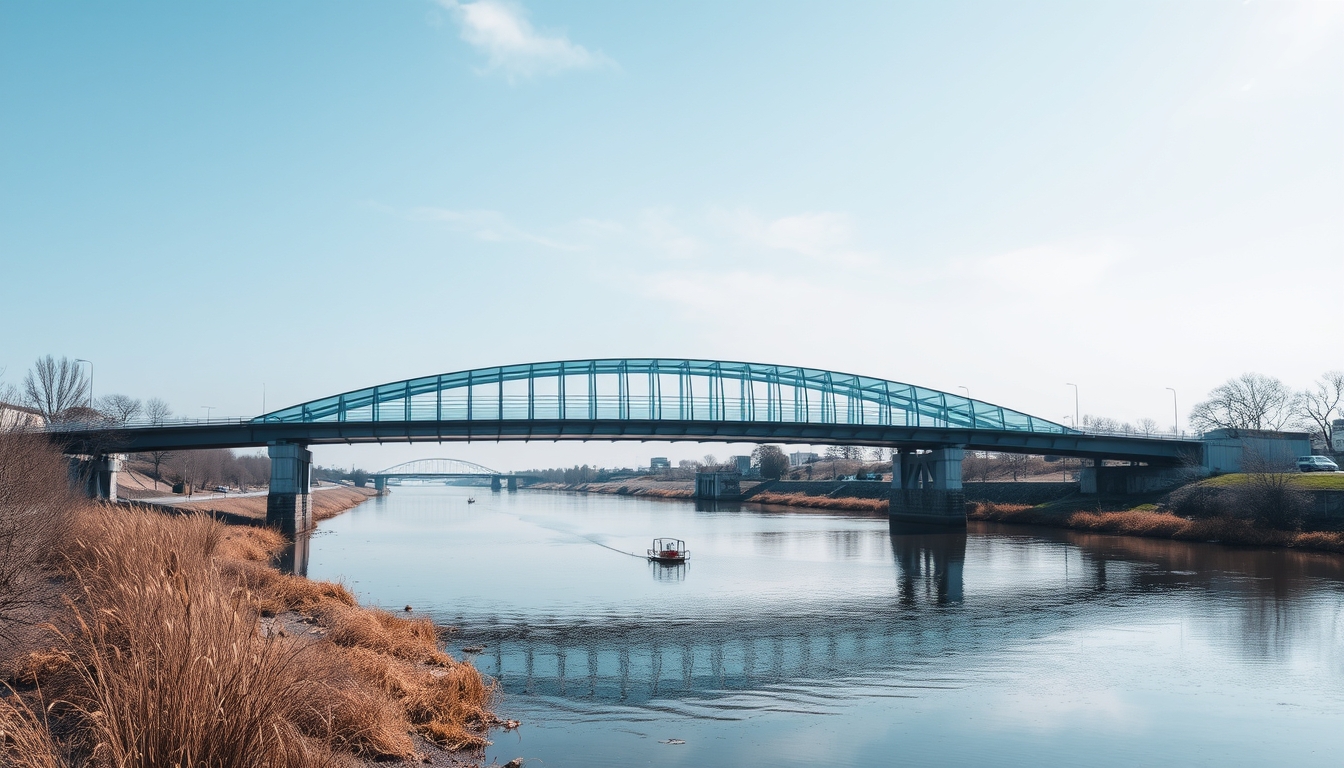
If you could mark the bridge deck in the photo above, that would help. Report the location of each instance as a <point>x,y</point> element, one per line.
<point>1164,451</point>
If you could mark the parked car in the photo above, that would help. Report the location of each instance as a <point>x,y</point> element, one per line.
<point>221,489</point>
<point>1316,464</point>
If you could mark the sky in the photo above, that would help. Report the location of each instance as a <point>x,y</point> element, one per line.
<point>212,201</point>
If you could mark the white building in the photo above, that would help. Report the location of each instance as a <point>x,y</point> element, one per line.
<point>799,458</point>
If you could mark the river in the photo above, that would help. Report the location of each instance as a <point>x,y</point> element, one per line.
<point>808,638</point>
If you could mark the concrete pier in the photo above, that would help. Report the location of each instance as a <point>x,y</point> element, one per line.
<point>926,487</point>
<point>513,484</point>
<point>288,504</point>
<point>96,476</point>
<point>495,485</point>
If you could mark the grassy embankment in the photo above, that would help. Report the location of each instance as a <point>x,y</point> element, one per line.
<point>676,489</point>
<point>171,641</point>
<point>820,502</point>
<point>326,503</point>
<point>1150,519</point>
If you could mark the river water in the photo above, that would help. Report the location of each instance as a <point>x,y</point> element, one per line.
<point>809,638</point>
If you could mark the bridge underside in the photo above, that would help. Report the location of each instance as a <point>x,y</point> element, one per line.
<point>1166,452</point>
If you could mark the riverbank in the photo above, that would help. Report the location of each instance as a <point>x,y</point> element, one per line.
<point>160,640</point>
<point>327,502</point>
<point>1158,524</point>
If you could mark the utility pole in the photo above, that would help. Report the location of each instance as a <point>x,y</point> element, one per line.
<point>1175,415</point>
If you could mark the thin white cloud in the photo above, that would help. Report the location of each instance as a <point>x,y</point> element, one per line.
<point>500,29</point>
<point>822,235</point>
<point>490,226</point>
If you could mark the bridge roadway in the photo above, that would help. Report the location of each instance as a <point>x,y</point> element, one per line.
<point>253,434</point>
<point>627,399</point>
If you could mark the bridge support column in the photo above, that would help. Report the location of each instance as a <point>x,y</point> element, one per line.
<point>926,487</point>
<point>96,476</point>
<point>288,506</point>
<point>380,485</point>
<point>513,485</point>
<point>495,485</point>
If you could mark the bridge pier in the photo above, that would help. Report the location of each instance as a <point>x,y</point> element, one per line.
<point>96,475</point>
<point>288,506</point>
<point>495,485</point>
<point>513,485</point>
<point>380,485</point>
<point>926,487</point>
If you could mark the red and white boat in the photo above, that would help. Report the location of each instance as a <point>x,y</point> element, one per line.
<point>668,551</point>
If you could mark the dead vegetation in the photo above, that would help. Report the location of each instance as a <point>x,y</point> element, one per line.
<point>176,644</point>
<point>821,502</point>
<point>1160,524</point>
<point>326,503</point>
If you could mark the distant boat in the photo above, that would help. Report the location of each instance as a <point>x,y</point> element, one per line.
<point>668,551</point>
<point>471,499</point>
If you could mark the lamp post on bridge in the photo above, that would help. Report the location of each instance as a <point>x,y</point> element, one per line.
<point>208,409</point>
<point>1175,415</point>
<point>968,391</point>
<point>1075,403</point>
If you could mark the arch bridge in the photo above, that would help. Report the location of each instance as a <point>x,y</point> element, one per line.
<point>660,399</point>
<point>445,469</point>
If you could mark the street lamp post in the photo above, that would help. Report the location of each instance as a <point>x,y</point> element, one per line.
<point>1075,403</point>
<point>208,409</point>
<point>90,362</point>
<point>968,391</point>
<point>1175,414</point>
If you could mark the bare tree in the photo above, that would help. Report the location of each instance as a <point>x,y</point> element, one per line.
<point>1319,405</point>
<point>157,411</point>
<point>1250,401</point>
<point>1018,465</point>
<point>157,458</point>
<point>1147,427</point>
<point>53,387</point>
<point>771,460</point>
<point>121,409</point>
<point>981,467</point>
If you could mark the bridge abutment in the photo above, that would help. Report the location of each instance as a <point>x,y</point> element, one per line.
<point>288,504</point>
<point>926,487</point>
<point>96,476</point>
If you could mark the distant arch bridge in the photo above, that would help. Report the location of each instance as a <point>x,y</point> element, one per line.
<point>643,399</point>
<point>446,469</point>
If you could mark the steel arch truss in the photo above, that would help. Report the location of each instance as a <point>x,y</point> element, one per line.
<point>654,390</point>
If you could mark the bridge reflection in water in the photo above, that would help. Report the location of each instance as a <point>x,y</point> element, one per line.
<point>899,643</point>
<point>637,659</point>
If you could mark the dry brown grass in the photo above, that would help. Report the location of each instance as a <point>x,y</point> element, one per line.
<point>326,503</point>
<point>820,502</point>
<point>1160,524</point>
<point>665,493</point>
<point>25,738</point>
<point>164,660</point>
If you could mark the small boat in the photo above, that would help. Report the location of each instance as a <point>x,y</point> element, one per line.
<point>471,499</point>
<point>668,551</point>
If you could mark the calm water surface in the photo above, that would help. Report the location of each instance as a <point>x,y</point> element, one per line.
<point>806,638</point>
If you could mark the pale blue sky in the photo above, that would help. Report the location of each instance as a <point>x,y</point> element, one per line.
<point>1006,196</point>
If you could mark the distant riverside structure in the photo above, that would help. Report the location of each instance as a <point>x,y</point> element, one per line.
<point>659,462</point>
<point>18,418</point>
<point>799,458</point>
<point>743,464</point>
